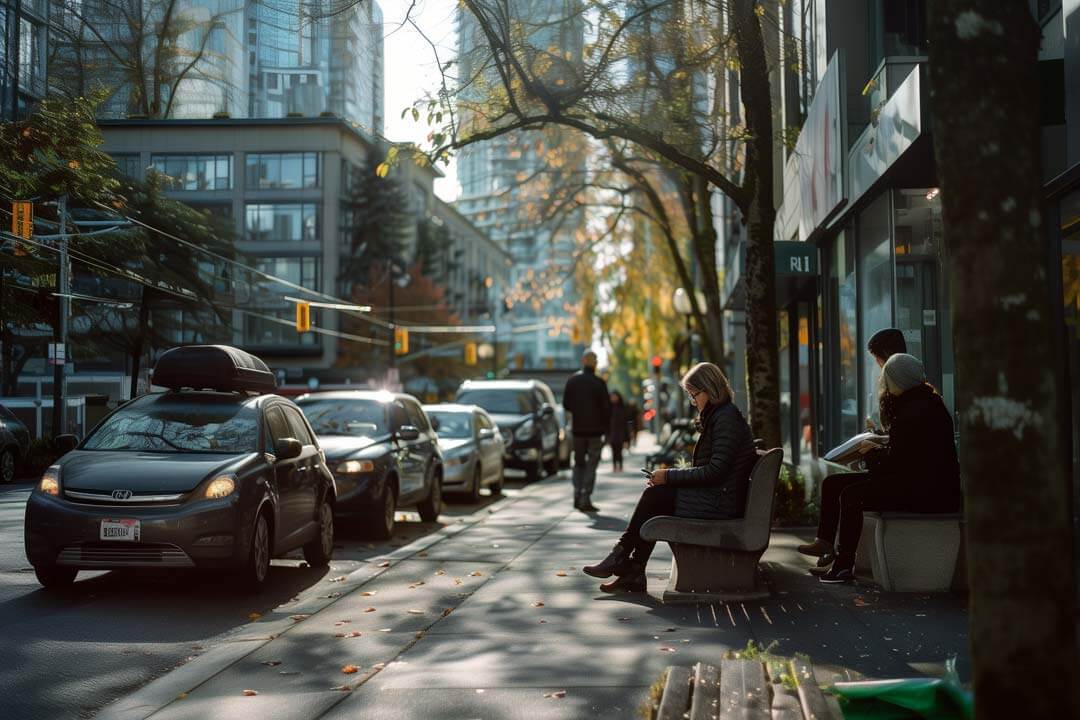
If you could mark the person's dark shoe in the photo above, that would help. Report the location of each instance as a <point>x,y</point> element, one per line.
<point>587,506</point>
<point>616,563</point>
<point>816,549</point>
<point>840,572</point>
<point>632,581</point>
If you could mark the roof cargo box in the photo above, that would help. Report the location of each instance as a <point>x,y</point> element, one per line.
<point>213,367</point>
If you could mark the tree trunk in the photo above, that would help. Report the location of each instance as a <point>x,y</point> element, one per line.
<point>137,345</point>
<point>1019,549</point>
<point>759,210</point>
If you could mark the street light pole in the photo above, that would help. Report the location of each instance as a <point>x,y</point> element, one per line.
<point>60,329</point>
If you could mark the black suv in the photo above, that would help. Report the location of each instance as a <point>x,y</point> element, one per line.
<point>524,410</point>
<point>383,452</point>
<point>215,473</point>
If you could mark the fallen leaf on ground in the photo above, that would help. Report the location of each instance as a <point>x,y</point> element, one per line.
<point>250,693</point>
<point>543,622</point>
<point>414,611</point>
<point>560,574</point>
<point>272,663</point>
<point>667,649</point>
<point>254,616</point>
<point>350,669</point>
<point>475,573</point>
<point>457,581</point>
<point>342,688</point>
<point>423,554</point>
<point>440,572</point>
<point>339,623</point>
<point>556,694</point>
<point>301,616</point>
<point>340,578</point>
<point>540,604</point>
<point>447,611</point>
<point>369,593</point>
<point>353,634</point>
<point>181,696</point>
<point>379,666</point>
<point>370,609</point>
<point>384,563</point>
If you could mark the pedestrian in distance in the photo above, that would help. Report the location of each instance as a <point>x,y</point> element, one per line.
<point>585,397</point>
<point>617,434</point>
<point>917,471</point>
<point>715,488</point>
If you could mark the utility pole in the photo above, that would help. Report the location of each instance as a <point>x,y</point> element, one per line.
<point>59,414</point>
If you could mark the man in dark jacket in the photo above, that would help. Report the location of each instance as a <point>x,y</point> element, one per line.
<point>586,399</point>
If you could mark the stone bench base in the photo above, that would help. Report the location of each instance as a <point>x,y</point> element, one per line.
<point>908,552</point>
<point>709,574</point>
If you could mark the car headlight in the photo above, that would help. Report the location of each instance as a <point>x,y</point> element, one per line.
<point>50,481</point>
<point>525,430</point>
<point>355,467</point>
<point>220,487</point>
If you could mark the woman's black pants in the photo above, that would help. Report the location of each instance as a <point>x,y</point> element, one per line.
<point>656,500</point>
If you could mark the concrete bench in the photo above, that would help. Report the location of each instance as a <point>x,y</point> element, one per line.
<point>717,560</point>
<point>909,552</point>
<point>744,690</point>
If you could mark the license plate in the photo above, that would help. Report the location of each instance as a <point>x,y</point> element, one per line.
<point>124,530</point>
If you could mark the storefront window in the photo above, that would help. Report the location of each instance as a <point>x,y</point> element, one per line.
<point>875,292</point>
<point>784,337</point>
<point>804,385</point>
<point>845,347</point>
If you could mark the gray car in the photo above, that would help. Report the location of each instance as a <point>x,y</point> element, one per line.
<point>472,449</point>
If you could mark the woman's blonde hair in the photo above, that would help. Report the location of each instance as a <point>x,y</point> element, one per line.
<point>710,379</point>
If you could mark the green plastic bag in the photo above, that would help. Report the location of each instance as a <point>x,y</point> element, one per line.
<point>926,698</point>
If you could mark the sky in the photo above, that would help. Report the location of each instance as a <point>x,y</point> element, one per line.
<point>412,70</point>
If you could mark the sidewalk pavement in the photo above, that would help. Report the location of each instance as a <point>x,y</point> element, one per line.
<point>491,617</point>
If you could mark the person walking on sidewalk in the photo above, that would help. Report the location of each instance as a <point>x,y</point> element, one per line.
<point>585,397</point>
<point>917,471</point>
<point>617,434</point>
<point>715,488</point>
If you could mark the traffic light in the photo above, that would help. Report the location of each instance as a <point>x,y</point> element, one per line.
<point>401,341</point>
<point>470,353</point>
<point>657,362</point>
<point>303,317</point>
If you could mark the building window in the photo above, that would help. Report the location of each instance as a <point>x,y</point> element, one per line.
<point>195,172</point>
<point>297,270</point>
<point>281,222</point>
<point>282,170</point>
<point>844,334</point>
<point>129,165</point>
<point>875,290</point>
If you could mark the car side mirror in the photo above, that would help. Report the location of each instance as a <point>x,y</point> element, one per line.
<point>408,432</point>
<point>288,448</point>
<point>66,443</point>
<point>547,411</point>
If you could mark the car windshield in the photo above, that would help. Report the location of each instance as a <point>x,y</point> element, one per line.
<point>452,424</point>
<point>508,401</point>
<point>345,416</point>
<point>177,423</point>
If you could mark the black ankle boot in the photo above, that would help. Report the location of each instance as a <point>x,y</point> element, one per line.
<point>632,581</point>
<point>616,563</point>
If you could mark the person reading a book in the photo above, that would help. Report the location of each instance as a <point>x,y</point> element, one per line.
<point>917,471</point>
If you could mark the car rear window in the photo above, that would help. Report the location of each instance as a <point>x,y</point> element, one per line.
<point>452,424</point>
<point>176,423</point>
<point>345,416</point>
<point>501,402</point>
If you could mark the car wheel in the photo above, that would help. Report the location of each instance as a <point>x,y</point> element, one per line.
<point>319,550</point>
<point>431,507</point>
<point>55,577</point>
<point>7,466</point>
<point>381,525</point>
<point>473,494</point>
<point>255,571</point>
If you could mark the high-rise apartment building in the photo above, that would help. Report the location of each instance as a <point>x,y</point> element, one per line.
<point>496,198</point>
<point>24,42</point>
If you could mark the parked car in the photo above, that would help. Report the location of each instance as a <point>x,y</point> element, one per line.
<point>566,436</point>
<point>472,449</point>
<point>14,444</point>
<point>524,410</point>
<point>384,455</point>
<point>215,473</point>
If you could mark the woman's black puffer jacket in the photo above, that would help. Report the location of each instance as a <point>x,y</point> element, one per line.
<point>716,487</point>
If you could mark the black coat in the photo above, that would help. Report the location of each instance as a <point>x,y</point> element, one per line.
<point>716,487</point>
<point>921,454</point>
<point>587,400</point>
<point>617,433</point>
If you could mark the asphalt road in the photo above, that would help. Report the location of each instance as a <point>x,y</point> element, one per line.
<point>65,655</point>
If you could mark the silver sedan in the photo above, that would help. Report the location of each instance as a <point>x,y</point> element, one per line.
<point>472,449</point>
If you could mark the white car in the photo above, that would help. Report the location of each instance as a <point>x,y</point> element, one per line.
<point>472,449</point>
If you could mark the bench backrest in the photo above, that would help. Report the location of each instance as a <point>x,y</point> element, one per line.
<point>760,499</point>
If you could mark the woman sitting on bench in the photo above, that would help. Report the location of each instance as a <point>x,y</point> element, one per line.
<point>714,488</point>
<point>916,472</point>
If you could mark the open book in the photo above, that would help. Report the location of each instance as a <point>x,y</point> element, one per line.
<point>848,451</point>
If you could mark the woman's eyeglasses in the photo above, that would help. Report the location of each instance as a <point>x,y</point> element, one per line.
<point>692,394</point>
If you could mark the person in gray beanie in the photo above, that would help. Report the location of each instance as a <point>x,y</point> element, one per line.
<point>917,471</point>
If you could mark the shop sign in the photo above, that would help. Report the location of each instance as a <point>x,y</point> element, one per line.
<point>795,258</point>
<point>820,149</point>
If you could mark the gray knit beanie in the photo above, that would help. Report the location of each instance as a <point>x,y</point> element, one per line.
<point>903,372</point>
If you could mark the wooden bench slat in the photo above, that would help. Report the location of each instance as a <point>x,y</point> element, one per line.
<point>676,697</point>
<point>814,704</point>
<point>785,700</point>
<point>744,694</point>
<point>706,692</point>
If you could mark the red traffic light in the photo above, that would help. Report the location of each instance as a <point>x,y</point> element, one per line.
<point>657,361</point>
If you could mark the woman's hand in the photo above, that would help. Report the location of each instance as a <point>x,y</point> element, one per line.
<point>658,477</point>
